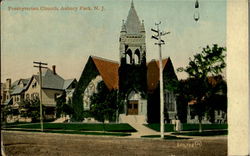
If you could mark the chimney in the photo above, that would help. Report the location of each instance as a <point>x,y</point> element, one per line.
<point>8,83</point>
<point>54,69</point>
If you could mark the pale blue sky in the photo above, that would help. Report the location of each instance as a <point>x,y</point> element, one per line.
<point>67,38</point>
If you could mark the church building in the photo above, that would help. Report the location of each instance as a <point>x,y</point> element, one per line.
<point>136,79</point>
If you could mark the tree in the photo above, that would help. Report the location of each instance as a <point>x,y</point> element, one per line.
<point>6,110</point>
<point>30,108</point>
<point>62,107</point>
<point>67,109</point>
<point>60,102</point>
<point>210,62</point>
<point>104,103</point>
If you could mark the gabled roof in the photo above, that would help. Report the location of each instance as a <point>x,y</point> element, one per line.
<point>153,73</point>
<point>24,81</point>
<point>17,89</point>
<point>14,84</point>
<point>50,80</point>
<point>108,70</point>
<point>67,83</point>
<point>133,22</point>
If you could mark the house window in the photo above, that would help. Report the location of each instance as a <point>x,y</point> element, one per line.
<point>36,95</point>
<point>27,96</point>
<point>17,99</point>
<point>34,85</point>
<point>32,96</point>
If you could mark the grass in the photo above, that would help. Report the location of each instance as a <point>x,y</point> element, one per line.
<point>74,132</point>
<point>167,137</point>
<point>203,133</point>
<point>13,124</point>
<point>156,127</point>
<point>77,127</point>
<point>188,127</point>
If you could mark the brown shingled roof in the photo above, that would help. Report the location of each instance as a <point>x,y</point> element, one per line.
<point>153,73</point>
<point>108,70</point>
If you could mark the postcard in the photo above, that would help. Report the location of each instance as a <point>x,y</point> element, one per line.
<point>116,77</point>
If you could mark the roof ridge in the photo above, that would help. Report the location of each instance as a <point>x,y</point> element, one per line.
<point>104,59</point>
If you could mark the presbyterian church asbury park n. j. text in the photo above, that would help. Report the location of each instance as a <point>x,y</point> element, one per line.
<point>133,76</point>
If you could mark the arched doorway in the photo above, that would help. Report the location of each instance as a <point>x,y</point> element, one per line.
<point>133,103</point>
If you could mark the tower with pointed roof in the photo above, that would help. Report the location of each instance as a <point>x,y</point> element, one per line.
<point>133,67</point>
<point>132,39</point>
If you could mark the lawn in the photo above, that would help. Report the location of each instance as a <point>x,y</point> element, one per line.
<point>73,132</point>
<point>188,127</point>
<point>77,127</point>
<point>156,127</point>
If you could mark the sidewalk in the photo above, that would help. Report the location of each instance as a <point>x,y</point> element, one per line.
<point>141,130</point>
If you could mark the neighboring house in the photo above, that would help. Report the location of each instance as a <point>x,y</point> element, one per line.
<point>220,116</point>
<point>132,76</point>
<point>53,86</point>
<point>218,103</point>
<point>5,92</point>
<point>18,91</point>
<point>14,95</point>
<point>192,118</point>
<point>5,97</point>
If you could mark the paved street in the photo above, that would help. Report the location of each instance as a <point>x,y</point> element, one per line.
<point>27,143</point>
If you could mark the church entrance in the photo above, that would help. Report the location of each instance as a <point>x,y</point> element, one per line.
<point>133,107</point>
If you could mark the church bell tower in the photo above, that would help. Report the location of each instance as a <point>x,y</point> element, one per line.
<point>133,68</point>
<point>132,39</point>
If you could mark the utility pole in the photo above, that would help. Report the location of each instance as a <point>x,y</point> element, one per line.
<point>159,43</point>
<point>40,66</point>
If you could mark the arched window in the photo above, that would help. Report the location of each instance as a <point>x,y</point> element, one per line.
<point>137,56</point>
<point>128,56</point>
